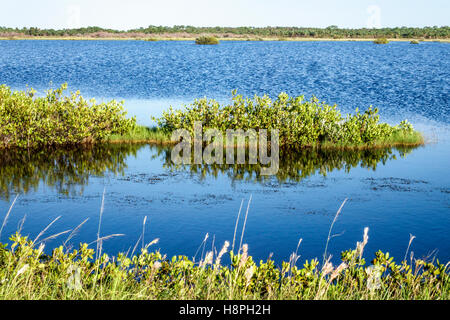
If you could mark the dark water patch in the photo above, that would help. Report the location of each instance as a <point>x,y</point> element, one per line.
<point>210,199</point>
<point>396,184</point>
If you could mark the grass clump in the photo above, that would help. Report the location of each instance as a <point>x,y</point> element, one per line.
<point>26,272</point>
<point>141,134</point>
<point>27,121</point>
<point>301,123</point>
<point>381,41</point>
<point>207,40</point>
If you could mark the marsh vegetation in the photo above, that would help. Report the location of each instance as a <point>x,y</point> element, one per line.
<point>207,40</point>
<point>301,123</point>
<point>381,41</point>
<point>27,121</point>
<point>56,120</point>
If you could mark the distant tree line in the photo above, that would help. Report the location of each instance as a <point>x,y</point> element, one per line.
<point>434,32</point>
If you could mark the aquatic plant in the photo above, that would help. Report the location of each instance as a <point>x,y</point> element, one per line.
<point>27,121</point>
<point>300,122</point>
<point>381,41</point>
<point>207,40</point>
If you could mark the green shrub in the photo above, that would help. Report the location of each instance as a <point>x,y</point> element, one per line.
<point>207,40</point>
<point>414,42</point>
<point>381,41</point>
<point>27,121</point>
<point>300,122</point>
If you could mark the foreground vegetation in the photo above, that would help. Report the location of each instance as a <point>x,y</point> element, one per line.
<point>301,123</point>
<point>26,272</point>
<point>331,32</point>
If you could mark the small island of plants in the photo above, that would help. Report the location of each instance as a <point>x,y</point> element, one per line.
<point>301,123</point>
<point>207,40</point>
<point>27,121</point>
<point>381,41</point>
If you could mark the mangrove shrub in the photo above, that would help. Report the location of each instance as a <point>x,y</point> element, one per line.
<point>207,40</point>
<point>27,121</point>
<point>381,41</point>
<point>300,122</point>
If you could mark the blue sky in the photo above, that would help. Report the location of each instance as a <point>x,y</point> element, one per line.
<point>120,14</point>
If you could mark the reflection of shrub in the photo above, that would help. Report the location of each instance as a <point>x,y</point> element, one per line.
<point>67,170</point>
<point>295,165</point>
<point>381,41</point>
<point>206,40</point>
<point>29,122</point>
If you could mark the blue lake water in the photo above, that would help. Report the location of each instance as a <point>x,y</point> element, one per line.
<point>395,193</point>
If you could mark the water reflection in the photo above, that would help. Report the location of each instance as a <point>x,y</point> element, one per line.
<point>295,166</point>
<point>67,171</point>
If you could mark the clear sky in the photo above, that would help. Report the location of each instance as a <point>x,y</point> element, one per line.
<point>121,14</point>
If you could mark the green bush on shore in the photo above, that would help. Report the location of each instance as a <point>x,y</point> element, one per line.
<point>27,121</point>
<point>300,123</point>
<point>207,40</point>
<point>26,272</point>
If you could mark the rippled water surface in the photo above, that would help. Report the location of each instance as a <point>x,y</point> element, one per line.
<point>394,192</point>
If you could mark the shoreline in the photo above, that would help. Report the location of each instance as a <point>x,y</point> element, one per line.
<point>155,136</point>
<point>156,38</point>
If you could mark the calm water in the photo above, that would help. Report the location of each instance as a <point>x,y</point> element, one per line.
<point>394,192</point>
